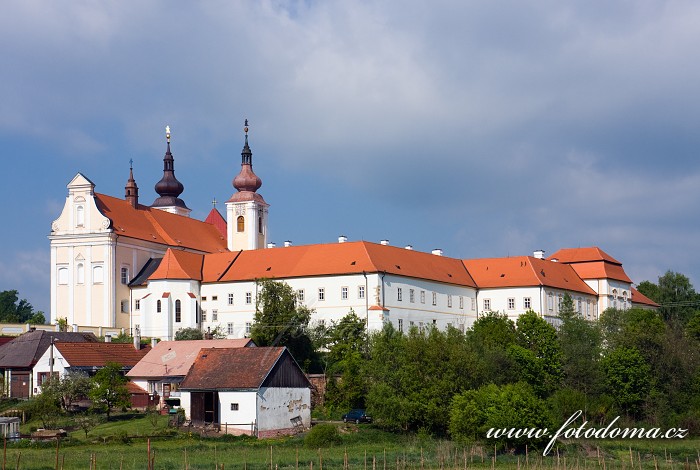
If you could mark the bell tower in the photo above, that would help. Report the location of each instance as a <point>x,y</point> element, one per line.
<point>246,210</point>
<point>169,188</point>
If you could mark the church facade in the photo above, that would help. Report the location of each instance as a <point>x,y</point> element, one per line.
<point>118,263</point>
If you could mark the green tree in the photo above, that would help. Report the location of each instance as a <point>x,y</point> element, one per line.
<point>637,328</point>
<point>627,379</point>
<point>86,422</point>
<point>14,310</point>
<point>676,295</point>
<point>540,338</point>
<point>73,386</point>
<point>184,334</point>
<point>474,412</point>
<point>281,321</point>
<point>566,308</point>
<point>46,405</point>
<point>109,389</point>
<point>490,339</point>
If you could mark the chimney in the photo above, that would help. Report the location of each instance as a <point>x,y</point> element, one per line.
<point>137,339</point>
<point>555,260</point>
<point>409,247</point>
<point>437,252</point>
<point>342,239</point>
<point>384,242</point>
<point>539,254</point>
<point>208,334</point>
<point>108,338</point>
<point>287,243</point>
<point>271,245</point>
<point>154,341</point>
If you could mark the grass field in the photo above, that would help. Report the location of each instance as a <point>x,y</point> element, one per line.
<point>123,444</point>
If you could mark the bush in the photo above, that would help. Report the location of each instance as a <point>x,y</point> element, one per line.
<point>322,435</point>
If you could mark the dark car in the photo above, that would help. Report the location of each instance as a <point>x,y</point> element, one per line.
<point>356,416</point>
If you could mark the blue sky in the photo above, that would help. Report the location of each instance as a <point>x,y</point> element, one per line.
<point>483,128</point>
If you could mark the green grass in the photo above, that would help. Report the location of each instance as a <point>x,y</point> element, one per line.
<point>122,443</point>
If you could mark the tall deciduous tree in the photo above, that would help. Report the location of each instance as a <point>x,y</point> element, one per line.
<point>627,379</point>
<point>281,321</point>
<point>534,334</point>
<point>109,390</point>
<point>14,310</point>
<point>676,294</point>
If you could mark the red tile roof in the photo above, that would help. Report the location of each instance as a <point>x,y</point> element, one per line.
<point>178,264</point>
<point>639,298</point>
<point>342,258</point>
<point>174,358</point>
<point>99,354</point>
<point>154,225</point>
<point>217,220</point>
<point>592,263</point>
<point>243,368</point>
<point>525,271</point>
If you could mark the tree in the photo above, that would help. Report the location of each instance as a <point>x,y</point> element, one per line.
<point>73,386</point>
<point>86,422</point>
<point>109,388</point>
<point>46,405</point>
<point>184,334</point>
<point>536,335</point>
<point>280,321</point>
<point>676,295</point>
<point>566,308</point>
<point>581,344</point>
<point>14,310</point>
<point>627,379</point>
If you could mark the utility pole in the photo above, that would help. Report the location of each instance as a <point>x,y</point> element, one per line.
<point>51,360</point>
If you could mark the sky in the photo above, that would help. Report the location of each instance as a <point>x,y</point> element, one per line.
<point>482,128</point>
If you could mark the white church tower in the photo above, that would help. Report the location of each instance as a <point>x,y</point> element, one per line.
<point>169,188</point>
<point>246,210</point>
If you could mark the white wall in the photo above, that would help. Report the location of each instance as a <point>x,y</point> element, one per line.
<point>277,406</point>
<point>43,365</point>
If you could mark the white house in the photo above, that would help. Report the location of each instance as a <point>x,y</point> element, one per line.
<point>260,391</point>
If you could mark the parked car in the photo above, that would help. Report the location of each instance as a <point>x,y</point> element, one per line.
<point>356,416</point>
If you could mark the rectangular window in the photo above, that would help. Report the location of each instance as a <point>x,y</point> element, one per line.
<point>230,299</point>
<point>321,293</point>
<point>360,292</point>
<point>527,303</point>
<point>420,326</point>
<point>248,325</point>
<point>401,324</point>
<point>229,329</point>
<point>449,301</point>
<point>434,298</point>
<point>137,304</point>
<point>473,303</point>
<point>204,298</point>
<point>487,305</point>
<point>300,295</point>
<point>561,299</point>
<point>579,305</point>
<point>234,406</point>
<point>125,275</point>
<point>550,302</point>
<point>461,302</point>
<point>511,303</point>
<point>248,298</point>
<point>399,294</point>
<point>344,293</point>
<point>422,296</point>
<point>97,274</point>
<point>214,315</point>
<point>178,311</point>
<point>411,295</point>
<point>125,306</point>
<point>411,324</point>
<point>158,306</point>
<point>204,315</point>
<point>214,298</point>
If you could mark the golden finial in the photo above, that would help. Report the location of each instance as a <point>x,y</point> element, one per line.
<point>245,129</point>
<point>167,133</point>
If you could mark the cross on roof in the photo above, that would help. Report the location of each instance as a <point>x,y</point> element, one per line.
<point>131,163</point>
<point>213,202</point>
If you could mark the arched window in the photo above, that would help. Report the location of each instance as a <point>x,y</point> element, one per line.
<point>80,273</point>
<point>158,306</point>
<point>97,275</point>
<point>260,227</point>
<point>62,276</point>
<point>178,311</point>
<point>240,223</point>
<point>79,216</point>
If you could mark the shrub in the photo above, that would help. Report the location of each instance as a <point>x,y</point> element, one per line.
<point>322,435</point>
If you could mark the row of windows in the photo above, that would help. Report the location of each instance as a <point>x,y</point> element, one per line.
<point>240,224</point>
<point>215,298</point>
<point>97,274</point>
<point>344,293</point>
<point>412,298</point>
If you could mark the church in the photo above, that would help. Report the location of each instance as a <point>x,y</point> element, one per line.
<point>153,269</point>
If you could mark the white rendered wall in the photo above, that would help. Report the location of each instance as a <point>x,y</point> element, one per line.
<point>277,406</point>
<point>43,365</point>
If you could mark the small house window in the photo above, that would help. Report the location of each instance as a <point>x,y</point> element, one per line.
<point>214,315</point>
<point>230,299</point>
<point>487,305</point>
<point>449,301</point>
<point>422,296</point>
<point>240,224</point>
<point>234,406</point>
<point>527,303</point>
<point>399,294</point>
<point>434,298</point>
<point>360,292</point>
<point>137,304</point>
<point>125,306</point>
<point>229,328</point>
<point>344,293</point>
<point>248,325</point>
<point>511,303</point>
<point>300,295</point>
<point>125,275</point>
<point>249,298</point>
<point>321,293</point>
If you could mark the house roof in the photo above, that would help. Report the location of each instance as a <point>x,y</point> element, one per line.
<point>174,358</point>
<point>99,354</point>
<point>25,350</point>
<point>158,226</point>
<point>639,298</point>
<point>525,271</point>
<point>178,264</point>
<point>217,220</point>
<point>592,263</point>
<point>334,259</point>
<point>243,368</point>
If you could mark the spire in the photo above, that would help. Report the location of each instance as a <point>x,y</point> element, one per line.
<point>247,180</point>
<point>131,191</point>
<point>169,188</point>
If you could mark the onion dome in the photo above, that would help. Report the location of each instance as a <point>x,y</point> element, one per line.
<point>169,188</point>
<point>246,182</point>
